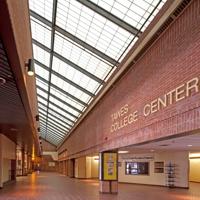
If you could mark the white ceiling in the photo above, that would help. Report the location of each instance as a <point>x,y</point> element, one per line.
<point>189,143</point>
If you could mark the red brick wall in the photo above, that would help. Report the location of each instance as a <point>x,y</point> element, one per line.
<point>171,61</point>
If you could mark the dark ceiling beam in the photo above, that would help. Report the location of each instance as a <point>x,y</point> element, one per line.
<point>68,62</point>
<point>60,100</point>
<point>62,91</point>
<point>101,11</point>
<point>75,39</point>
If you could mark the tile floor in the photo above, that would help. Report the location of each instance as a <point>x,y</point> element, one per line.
<point>53,186</point>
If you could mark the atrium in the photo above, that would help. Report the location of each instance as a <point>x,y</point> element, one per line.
<point>99,99</point>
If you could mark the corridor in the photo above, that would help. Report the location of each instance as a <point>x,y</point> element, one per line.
<point>53,186</point>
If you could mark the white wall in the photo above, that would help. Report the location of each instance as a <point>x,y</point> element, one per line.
<point>195,170</point>
<point>181,159</point>
<point>92,167</point>
<point>88,167</point>
<point>80,167</point>
<point>8,152</point>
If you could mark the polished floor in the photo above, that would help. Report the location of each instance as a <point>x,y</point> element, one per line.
<point>53,186</point>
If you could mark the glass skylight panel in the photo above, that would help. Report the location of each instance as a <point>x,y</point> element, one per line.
<point>43,108</point>
<point>74,75</point>
<point>66,98</point>
<point>70,88</point>
<point>42,7</point>
<point>84,21</point>
<point>42,100</point>
<point>62,105</point>
<point>41,72</point>
<point>41,32</point>
<point>79,73</point>
<point>81,57</point>
<point>61,112</point>
<point>41,55</point>
<point>41,84</point>
<point>133,12</point>
<point>56,120</point>
<point>60,118</point>
<point>42,93</point>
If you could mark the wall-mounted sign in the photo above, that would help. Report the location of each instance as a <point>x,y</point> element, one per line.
<point>124,116</point>
<point>108,166</point>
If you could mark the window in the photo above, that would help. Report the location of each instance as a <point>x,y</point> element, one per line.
<point>137,168</point>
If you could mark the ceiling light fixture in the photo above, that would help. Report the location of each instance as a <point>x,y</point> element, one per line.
<point>30,66</point>
<point>189,145</point>
<point>123,151</point>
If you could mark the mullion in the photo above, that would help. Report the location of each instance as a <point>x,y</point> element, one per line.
<point>75,39</point>
<point>66,61</point>
<point>52,139</point>
<point>54,136</point>
<point>64,117</point>
<point>56,125</point>
<point>108,15</point>
<point>54,131</point>
<point>66,79</point>
<point>59,132</point>
<point>67,112</point>
<point>60,100</point>
<point>56,121</point>
<point>62,91</point>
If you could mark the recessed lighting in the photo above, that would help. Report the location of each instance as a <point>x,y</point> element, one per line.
<point>122,151</point>
<point>152,150</point>
<point>189,145</point>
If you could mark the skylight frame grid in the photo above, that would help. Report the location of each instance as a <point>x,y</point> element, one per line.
<point>41,55</point>
<point>81,57</point>
<point>97,21</point>
<point>43,7</point>
<point>41,32</point>
<point>74,75</point>
<point>74,91</point>
<point>68,123</point>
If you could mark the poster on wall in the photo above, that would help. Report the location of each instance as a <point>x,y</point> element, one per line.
<point>109,166</point>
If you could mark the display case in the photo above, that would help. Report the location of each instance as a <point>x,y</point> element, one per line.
<point>137,168</point>
<point>170,170</point>
<point>159,167</point>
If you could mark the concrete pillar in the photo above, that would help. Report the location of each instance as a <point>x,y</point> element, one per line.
<point>108,172</point>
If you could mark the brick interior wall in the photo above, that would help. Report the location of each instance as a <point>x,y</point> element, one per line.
<point>171,61</point>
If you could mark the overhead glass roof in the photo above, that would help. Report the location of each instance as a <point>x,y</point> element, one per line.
<point>77,45</point>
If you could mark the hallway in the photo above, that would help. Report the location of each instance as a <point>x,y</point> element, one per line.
<point>53,186</point>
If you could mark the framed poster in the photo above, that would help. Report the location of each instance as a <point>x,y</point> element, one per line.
<point>109,166</point>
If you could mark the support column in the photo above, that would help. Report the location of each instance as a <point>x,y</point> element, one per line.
<point>23,162</point>
<point>108,172</point>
